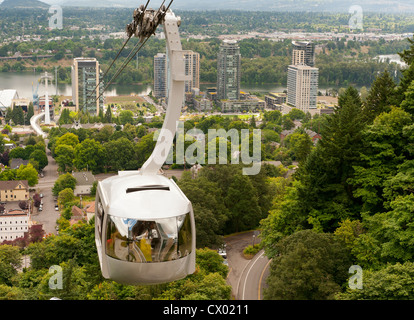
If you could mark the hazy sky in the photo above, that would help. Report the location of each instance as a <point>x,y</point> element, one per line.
<point>262,5</point>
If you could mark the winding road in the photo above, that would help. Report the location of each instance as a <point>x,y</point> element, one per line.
<point>247,277</point>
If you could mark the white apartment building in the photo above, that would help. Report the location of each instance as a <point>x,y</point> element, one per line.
<point>192,68</point>
<point>302,87</point>
<point>13,225</point>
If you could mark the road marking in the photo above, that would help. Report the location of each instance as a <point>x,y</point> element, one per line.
<point>247,275</point>
<point>261,277</point>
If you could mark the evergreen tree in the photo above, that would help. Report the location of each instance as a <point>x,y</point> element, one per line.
<point>408,74</point>
<point>30,111</point>
<point>324,192</point>
<point>108,114</point>
<point>408,55</point>
<point>408,103</point>
<point>380,97</point>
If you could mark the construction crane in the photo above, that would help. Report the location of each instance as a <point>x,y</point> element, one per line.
<point>144,224</point>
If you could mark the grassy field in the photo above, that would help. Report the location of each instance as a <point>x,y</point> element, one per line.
<point>122,100</point>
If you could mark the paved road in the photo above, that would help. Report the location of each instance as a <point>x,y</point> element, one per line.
<point>49,215</point>
<point>247,277</point>
<point>253,278</point>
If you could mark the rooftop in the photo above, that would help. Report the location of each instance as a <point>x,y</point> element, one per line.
<point>84,178</point>
<point>13,184</point>
<point>6,97</point>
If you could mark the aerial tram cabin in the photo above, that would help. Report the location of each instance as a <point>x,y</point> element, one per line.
<point>144,224</point>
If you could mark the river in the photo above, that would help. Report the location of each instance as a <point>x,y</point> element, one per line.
<point>26,82</point>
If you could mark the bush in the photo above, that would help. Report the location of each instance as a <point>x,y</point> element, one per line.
<point>250,251</point>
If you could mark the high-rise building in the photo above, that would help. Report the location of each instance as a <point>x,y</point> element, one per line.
<point>86,75</point>
<point>302,87</point>
<point>192,68</point>
<point>160,75</point>
<point>228,71</point>
<point>303,53</point>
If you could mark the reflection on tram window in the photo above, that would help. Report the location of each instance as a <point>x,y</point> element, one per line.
<point>149,241</point>
<point>99,218</point>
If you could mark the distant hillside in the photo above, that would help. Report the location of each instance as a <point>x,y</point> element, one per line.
<point>23,4</point>
<point>388,6</point>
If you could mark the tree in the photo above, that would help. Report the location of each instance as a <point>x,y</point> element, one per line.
<point>300,144</point>
<point>65,117</point>
<point>126,116</point>
<point>408,103</point>
<point>144,148</point>
<point>108,115</point>
<point>408,55</point>
<point>36,200</point>
<point>66,196</point>
<point>1,144</point>
<point>393,231</point>
<point>17,115</point>
<point>120,155</point>
<point>68,138</point>
<point>64,181</point>
<point>209,261</point>
<point>310,266</point>
<point>209,208</point>
<point>18,153</point>
<point>325,192</point>
<point>10,261</point>
<point>41,157</point>
<point>23,205</point>
<point>386,143</point>
<point>242,203</point>
<point>89,155</point>
<point>64,155</point>
<point>28,173</point>
<point>30,111</point>
<point>380,97</point>
<point>394,282</point>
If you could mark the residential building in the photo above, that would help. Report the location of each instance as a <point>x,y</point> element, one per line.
<point>84,182</point>
<point>160,76</point>
<point>302,87</point>
<point>202,104</point>
<point>15,163</point>
<point>14,190</point>
<point>252,104</point>
<point>274,101</point>
<point>303,53</point>
<point>87,85</point>
<point>192,68</point>
<point>228,71</point>
<point>14,224</point>
<point>22,103</point>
